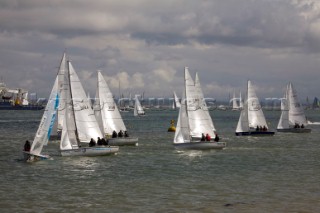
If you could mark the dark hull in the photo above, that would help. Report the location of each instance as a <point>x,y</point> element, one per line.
<point>6,106</point>
<point>295,130</point>
<point>200,145</point>
<point>255,133</point>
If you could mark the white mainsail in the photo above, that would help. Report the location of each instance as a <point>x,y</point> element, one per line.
<point>110,115</point>
<point>235,105</point>
<point>138,110</point>
<point>69,135</point>
<point>243,123</point>
<point>86,123</point>
<point>296,112</point>
<point>240,102</point>
<point>255,113</point>
<point>47,121</point>
<point>182,133</point>
<point>62,86</point>
<point>198,115</point>
<point>176,100</point>
<point>284,118</point>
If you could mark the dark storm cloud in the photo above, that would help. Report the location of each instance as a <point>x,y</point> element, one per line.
<point>226,41</point>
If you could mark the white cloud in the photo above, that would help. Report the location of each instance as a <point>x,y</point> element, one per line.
<point>165,74</point>
<point>145,44</point>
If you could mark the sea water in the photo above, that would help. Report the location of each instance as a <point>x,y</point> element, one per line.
<point>279,173</point>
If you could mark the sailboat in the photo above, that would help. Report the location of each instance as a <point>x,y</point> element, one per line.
<point>292,117</point>
<point>176,101</point>
<point>235,105</point>
<point>138,110</point>
<point>45,127</point>
<point>57,128</point>
<point>240,102</point>
<point>79,121</point>
<point>252,120</point>
<point>194,119</point>
<point>108,115</point>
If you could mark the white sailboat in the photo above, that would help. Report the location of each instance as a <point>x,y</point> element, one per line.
<point>176,101</point>
<point>234,100</point>
<point>87,125</point>
<point>240,102</point>
<point>138,110</point>
<point>292,117</point>
<point>45,127</point>
<point>108,115</point>
<point>57,129</point>
<point>78,117</point>
<point>194,119</point>
<point>252,120</point>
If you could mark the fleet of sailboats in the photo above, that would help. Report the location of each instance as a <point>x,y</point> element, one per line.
<point>76,119</point>
<point>70,115</point>
<point>252,120</point>
<point>80,124</point>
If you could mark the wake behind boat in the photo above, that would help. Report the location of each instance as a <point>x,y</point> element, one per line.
<point>292,117</point>
<point>194,119</point>
<point>252,120</point>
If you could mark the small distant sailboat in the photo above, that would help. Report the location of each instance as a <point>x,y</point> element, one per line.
<point>176,101</point>
<point>240,102</point>
<point>108,115</point>
<point>45,127</point>
<point>138,110</point>
<point>252,120</point>
<point>79,117</point>
<point>292,117</point>
<point>194,119</point>
<point>235,105</point>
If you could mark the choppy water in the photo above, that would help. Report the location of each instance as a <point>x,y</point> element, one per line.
<point>266,174</point>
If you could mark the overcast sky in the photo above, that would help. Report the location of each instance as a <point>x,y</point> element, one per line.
<point>147,43</point>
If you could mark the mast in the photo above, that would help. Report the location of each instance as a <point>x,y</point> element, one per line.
<point>71,101</point>
<point>119,90</point>
<point>185,90</point>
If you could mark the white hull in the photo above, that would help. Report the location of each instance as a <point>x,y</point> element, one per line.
<point>90,151</point>
<point>28,157</point>
<point>125,141</point>
<point>200,145</point>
